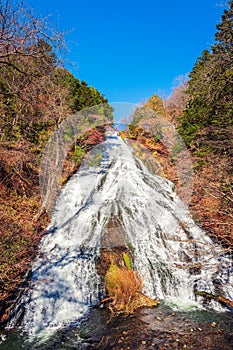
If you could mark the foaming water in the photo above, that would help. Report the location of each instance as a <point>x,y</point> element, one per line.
<point>172,254</point>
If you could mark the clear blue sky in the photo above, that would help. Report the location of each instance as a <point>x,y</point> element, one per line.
<point>130,50</point>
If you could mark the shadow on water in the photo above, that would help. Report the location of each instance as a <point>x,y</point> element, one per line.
<point>157,328</point>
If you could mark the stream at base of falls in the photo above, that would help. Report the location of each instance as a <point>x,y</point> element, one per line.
<point>158,328</point>
<point>111,203</point>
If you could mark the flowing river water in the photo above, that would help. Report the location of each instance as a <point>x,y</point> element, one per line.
<point>172,254</point>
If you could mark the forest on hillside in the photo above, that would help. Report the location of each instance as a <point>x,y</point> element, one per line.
<point>201,108</point>
<point>37,93</point>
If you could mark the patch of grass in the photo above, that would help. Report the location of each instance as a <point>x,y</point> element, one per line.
<point>127,261</point>
<point>124,287</point>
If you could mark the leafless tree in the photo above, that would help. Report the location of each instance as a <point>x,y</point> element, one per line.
<point>21,35</point>
<point>30,51</point>
<point>177,101</point>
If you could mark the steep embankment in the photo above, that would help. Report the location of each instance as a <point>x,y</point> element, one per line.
<point>211,204</point>
<point>20,228</point>
<point>22,222</point>
<point>201,109</point>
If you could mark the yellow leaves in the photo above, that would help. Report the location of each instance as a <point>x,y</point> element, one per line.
<point>156,103</point>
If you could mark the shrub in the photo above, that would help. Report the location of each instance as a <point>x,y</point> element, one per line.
<point>124,287</point>
<point>78,154</point>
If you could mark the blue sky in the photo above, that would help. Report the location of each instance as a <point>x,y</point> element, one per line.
<point>130,50</point>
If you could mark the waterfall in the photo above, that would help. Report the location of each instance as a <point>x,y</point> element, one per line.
<point>172,254</point>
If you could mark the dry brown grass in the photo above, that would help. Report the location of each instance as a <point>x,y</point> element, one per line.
<point>124,287</point>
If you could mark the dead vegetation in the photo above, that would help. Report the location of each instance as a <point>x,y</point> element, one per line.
<point>124,286</point>
<point>212,197</point>
<point>22,226</point>
<point>20,230</point>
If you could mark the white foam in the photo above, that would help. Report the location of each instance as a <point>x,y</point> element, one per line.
<point>172,254</point>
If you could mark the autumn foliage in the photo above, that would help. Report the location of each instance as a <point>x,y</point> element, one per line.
<point>36,94</point>
<point>201,109</point>
<point>124,286</point>
<point>93,137</point>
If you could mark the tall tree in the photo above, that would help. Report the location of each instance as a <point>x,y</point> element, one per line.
<point>177,101</point>
<point>210,89</point>
<point>222,78</point>
<point>156,103</point>
<point>28,52</point>
<point>36,92</point>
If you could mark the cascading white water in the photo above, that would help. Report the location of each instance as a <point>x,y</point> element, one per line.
<point>172,254</point>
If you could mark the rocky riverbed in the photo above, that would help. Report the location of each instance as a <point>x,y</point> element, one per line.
<point>150,328</point>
